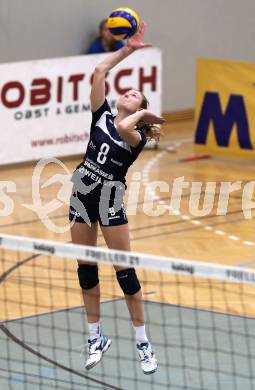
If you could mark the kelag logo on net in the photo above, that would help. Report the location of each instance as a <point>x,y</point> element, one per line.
<point>44,248</point>
<point>183,268</point>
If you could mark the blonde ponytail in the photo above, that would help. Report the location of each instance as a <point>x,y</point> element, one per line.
<point>151,131</point>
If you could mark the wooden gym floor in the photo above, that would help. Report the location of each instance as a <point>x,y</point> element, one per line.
<point>225,239</point>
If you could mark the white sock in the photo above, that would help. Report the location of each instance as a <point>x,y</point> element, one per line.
<point>94,330</point>
<point>140,334</point>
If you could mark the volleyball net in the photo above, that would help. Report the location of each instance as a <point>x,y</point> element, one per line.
<point>200,318</point>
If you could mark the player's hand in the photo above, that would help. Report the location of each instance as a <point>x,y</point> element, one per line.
<point>152,118</point>
<point>136,41</point>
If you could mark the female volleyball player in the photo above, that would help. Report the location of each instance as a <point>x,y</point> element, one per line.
<point>115,143</point>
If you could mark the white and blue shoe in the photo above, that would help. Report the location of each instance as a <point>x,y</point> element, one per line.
<point>96,349</point>
<point>147,357</point>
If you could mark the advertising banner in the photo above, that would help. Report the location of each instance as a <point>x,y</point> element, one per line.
<point>225,108</point>
<point>45,108</point>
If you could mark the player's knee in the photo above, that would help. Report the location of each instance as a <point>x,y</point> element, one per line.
<point>88,276</point>
<point>128,281</point>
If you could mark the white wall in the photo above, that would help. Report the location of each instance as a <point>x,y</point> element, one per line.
<point>184,29</point>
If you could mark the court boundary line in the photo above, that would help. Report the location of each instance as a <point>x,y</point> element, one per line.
<point>66,309</point>
<point>23,345</point>
<point>48,378</point>
<point>147,301</point>
<point>145,174</point>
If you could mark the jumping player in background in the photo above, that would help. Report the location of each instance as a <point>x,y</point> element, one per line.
<point>115,143</point>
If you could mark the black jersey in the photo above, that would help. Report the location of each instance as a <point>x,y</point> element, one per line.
<point>107,157</point>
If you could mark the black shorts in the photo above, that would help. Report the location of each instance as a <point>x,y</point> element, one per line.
<point>89,209</point>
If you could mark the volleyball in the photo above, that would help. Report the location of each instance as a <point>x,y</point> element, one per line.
<point>123,23</point>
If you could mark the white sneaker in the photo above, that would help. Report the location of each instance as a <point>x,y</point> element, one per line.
<point>96,349</point>
<point>147,357</point>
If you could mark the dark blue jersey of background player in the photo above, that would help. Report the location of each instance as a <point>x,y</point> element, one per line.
<point>108,156</point>
<point>105,42</point>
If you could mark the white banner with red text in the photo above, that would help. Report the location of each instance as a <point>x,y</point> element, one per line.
<point>45,107</point>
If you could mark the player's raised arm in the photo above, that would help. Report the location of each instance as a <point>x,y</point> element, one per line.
<point>126,126</point>
<point>97,95</point>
